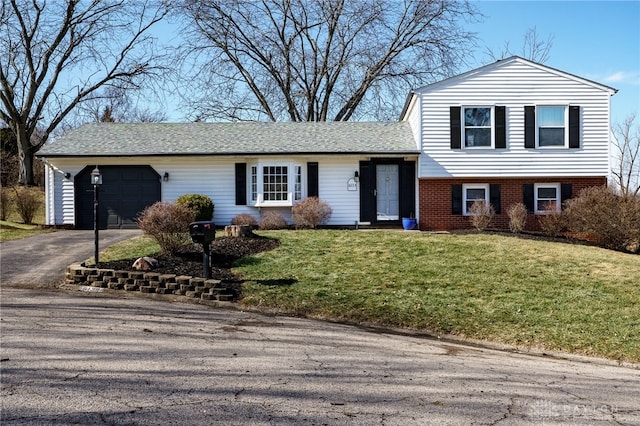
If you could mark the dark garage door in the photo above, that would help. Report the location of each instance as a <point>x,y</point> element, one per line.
<point>124,193</point>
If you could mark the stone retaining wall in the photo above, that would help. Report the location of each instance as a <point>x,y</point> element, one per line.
<point>151,282</point>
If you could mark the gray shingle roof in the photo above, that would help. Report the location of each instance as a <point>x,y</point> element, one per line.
<point>265,138</point>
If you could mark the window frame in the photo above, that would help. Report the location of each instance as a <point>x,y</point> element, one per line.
<point>491,127</point>
<point>465,187</point>
<point>565,126</point>
<point>295,183</point>
<point>536,199</point>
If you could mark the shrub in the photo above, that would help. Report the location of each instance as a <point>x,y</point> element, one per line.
<point>272,220</point>
<point>612,221</point>
<point>5,204</point>
<point>244,219</point>
<point>168,224</point>
<point>481,214</point>
<point>517,217</point>
<point>310,213</point>
<point>200,205</point>
<point>552,221</point>
<point>27,204</point>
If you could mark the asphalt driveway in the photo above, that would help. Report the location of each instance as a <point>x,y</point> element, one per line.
<point>43,259</point>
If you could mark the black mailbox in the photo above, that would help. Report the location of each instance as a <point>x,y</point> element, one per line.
<point>202,232</point>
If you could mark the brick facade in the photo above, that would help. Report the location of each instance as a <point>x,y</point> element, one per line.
<point>435,199</point>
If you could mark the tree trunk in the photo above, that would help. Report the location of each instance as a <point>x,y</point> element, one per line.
<point>25,154</point>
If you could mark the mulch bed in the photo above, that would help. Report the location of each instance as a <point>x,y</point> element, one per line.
<point>224,252</point>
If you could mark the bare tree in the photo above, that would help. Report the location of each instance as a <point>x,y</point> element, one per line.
<point>533,48</point>
<point>58,54</point>
<point>117,106</point>
<point>318,60</point>
<point>626,157</point>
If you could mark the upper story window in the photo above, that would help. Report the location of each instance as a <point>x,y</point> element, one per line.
<point>276,184</point>
<point>477,127</point>
<point>552,124</point>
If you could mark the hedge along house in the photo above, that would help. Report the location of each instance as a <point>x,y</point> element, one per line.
<point>508,132</point>
<point>364,170</point>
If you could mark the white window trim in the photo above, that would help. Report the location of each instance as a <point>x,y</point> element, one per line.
<point>556,186</point>
<point>566,127</point>
<point>291,181</point>
<point>484,186</point>
<point>463,128</point>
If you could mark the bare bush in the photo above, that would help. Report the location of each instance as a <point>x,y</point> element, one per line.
<point>272,220</point>
<point>552,221</point>
<point>168,224</point>
<point>5,204</point>
<point>244,219</point>
<point>310,213</point>
<point>481,214</point>
<point>611,220</point>
<point>27,204</point>
<point>517,217</point>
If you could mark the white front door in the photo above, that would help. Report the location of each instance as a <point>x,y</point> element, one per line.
<point>387,192</point>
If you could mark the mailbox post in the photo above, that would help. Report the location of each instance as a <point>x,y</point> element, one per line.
<point>204,233</point>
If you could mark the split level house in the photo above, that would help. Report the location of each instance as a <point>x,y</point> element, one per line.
<point>508,132</point>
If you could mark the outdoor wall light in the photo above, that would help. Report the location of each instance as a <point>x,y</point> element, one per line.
<point>165,177</point>
<point>356,176</point>
<point>67,175</point>
<point>96,177</point>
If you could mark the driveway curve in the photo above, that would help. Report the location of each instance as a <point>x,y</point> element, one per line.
<point>43,259</point>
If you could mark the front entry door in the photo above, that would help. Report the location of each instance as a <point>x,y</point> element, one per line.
<point>387,192</point>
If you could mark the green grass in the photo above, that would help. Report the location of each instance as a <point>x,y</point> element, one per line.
<point>527,293</point>
<point>520,292</point>
<point>13,227</point>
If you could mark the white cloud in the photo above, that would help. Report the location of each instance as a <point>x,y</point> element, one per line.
<point>624,77</point>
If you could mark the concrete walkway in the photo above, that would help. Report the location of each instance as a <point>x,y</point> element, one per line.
<point>43,259</point>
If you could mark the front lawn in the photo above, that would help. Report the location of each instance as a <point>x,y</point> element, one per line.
<point>527,293</point>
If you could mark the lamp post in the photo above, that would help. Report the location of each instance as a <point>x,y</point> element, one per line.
<point>96,180</point>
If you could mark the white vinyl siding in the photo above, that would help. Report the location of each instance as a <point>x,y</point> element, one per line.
<point>215,177</point>
<point>514,84</point>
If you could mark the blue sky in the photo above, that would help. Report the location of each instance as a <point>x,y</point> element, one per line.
<point>597,40</point>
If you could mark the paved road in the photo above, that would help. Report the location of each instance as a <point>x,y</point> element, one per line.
<point>44,258</point>
<point>99,358</point>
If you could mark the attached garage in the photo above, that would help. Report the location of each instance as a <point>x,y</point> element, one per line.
<point>124,193</point>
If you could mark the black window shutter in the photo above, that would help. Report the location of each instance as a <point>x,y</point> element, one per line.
<point>528,197</point>
<point>456,199</point>
<point>241,184</point>
<point>529,126</point>
<point>566,192</point>
<point>408,188</point>
<point>312,180</point>
<point>456,131</point>
<point>367,200</point>
<point>494,197</point>
<point>501,127</point>
<point>574,126</point>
